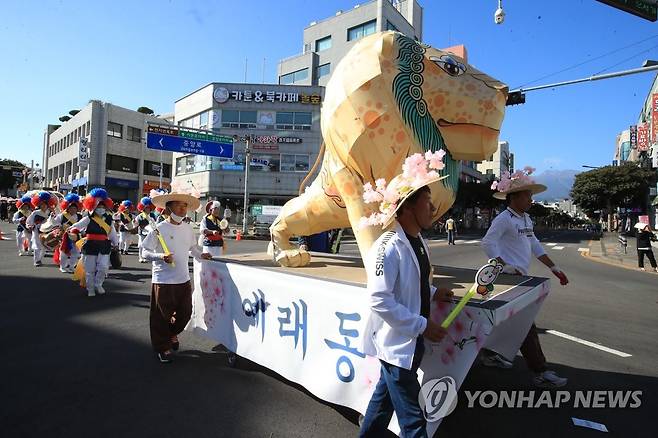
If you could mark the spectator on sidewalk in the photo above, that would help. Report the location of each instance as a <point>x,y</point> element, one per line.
<point>644,238</point>
<point>451,229</point>
<point>511,240</point>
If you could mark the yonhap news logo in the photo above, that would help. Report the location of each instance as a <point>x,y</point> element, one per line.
<point>438,398</point>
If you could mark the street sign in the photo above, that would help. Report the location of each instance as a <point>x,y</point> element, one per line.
<point>83,153</point>
<point>640,8</point>
<point>187,141</point>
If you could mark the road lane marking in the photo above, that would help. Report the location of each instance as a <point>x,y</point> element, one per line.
<point>551,244</point>
<point>583,249</point>
<point>588,343</point>
<point>558,247</point>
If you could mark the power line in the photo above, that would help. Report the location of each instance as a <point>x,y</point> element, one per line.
<point>585,62</point>
<point>627,59</point>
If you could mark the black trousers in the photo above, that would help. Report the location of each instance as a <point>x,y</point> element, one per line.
<point>640,257</point>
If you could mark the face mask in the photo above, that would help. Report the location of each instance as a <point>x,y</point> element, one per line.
<point>176,218</point>
<point>100,211</point>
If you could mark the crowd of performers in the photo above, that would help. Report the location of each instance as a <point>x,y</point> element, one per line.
<point>87,235</point>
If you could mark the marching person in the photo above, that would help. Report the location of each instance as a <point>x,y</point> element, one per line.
<point>43,202</point>
<point>644,238</point>
<point>399,285</point>
<point>68,252</point>
<point>145,218</point>
<point>212,229</point>
<point>101,236</point>
<point>126,229</point>
<point>511,240</point>
<point>227,214</point>
<point>168,246</point>
<point>23,235</point>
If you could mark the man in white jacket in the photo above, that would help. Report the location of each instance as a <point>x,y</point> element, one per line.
<point>399,283</point>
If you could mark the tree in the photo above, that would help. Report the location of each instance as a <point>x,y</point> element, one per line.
<point>144,110</point>
<point>610,187</point>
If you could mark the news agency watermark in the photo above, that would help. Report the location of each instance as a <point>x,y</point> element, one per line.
<point>438,398</point>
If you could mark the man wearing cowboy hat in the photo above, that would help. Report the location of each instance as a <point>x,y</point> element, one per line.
<point>400,289</point>
<point>511,240</point>
<point>212,229</point>
<point>168,246</point>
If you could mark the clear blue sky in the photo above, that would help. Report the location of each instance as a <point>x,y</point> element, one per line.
<point>56,55</point>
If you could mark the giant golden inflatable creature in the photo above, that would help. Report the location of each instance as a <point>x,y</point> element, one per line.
<point>388,98</point>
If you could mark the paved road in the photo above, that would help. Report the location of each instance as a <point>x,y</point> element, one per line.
<point>74,366</point>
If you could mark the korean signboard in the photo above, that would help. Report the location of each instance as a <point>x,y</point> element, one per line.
<point>223,95</point>
<point>643,137</point>
<point>654,117</point>
<point>633,130</point>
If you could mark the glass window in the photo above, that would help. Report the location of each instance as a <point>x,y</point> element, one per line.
<point>248,116</point>
<point>303,118</point>
<point>152,168</point>
<point>114,130</point>
<point>120,163</point>
<point>203,119</point>
<point>323,44</point>
<point>294,163</point>
<point>323,70</point>
<point>291,78</point>
<point>134,134</point>
<point>365,29</point>
<point>390,26</point>
<point>284,117</point>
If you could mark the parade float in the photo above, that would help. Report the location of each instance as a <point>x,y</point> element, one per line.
<point>303,315</point>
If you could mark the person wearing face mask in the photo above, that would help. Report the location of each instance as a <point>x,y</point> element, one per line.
<point>142,221</point>
<point>126,229</point>
<point>100,235</point>
<point>400,292</point>
<point>68,252</point>
<point>168,246</point>
<point>212,229</point>
<point>43,202</point>
<point>23,235</point>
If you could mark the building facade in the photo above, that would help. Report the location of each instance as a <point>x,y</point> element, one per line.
<point>283,124</point>
<point>116,156</point>
<point>327,41</point>
<point>500,161</point>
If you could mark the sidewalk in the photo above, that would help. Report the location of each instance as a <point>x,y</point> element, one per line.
<point>608,250</point>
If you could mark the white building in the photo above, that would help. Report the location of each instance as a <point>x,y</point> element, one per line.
<point>327,41</point>
<point>118,159</point>
<point>500,161</point>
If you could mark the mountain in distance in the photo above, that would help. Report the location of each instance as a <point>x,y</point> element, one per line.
<point>559,183</point>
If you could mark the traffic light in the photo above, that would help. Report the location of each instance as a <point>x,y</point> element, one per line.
<point>515,98</point>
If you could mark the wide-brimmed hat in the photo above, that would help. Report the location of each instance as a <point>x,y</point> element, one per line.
<point>418,171</point>
<point>518,181</point>
<point>210,205</point>
<point>161,200</point>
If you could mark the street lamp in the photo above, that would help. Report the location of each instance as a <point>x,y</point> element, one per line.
<point>247,161</point>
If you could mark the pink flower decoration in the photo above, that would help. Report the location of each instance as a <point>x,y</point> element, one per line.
<point>435,159</point>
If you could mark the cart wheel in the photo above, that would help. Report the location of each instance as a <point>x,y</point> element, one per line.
<point>232,359</point>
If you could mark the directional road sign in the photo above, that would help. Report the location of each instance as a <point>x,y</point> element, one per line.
<point>191,142</point>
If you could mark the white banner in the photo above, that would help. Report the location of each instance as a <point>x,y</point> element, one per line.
<point>310,331</point>
<point>83,153</point>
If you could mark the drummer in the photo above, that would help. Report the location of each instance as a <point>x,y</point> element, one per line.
<point>212,229</point>
<point>126,229</point>
<point>68,252</point>
<point>142,221</point>
<point>43,202</point>
<point>23,235</point>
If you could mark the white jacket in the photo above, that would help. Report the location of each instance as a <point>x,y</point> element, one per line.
<point>394,293</point>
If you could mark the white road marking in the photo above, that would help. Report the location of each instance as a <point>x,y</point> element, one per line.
<point>551,244</point>
<point>558,247</point>
<point>588,343</point>
<point>583,249</point>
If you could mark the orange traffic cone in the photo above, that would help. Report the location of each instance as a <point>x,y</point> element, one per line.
<point>238,235</point>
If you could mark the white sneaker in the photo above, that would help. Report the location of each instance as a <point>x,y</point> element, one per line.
<point>63,270</point>
<point>496,361</point>
<point>100,290</point>
<point>548,379</point>
<point>91,292</point>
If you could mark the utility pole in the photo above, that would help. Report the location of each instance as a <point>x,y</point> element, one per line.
<point>247,161</point>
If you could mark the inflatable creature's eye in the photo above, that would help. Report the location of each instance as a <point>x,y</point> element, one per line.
<point>449,64</point>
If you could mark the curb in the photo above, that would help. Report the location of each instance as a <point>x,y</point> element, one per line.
<point>599,259</point>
